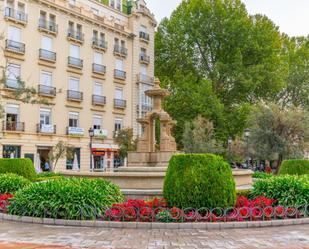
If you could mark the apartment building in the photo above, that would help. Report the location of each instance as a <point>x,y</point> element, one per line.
<point>90,62</point>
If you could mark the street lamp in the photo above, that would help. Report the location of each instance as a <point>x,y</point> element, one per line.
<point>91,135</point>
<point>247,135</point>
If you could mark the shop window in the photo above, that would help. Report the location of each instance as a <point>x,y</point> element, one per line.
<point>11,151</point>
<point>73,159</point>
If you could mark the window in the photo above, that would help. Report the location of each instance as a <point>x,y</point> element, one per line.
<point>73,119</point>
<point>123,44</point>
<point>143,29</point>
<point>12,76</point>
<point>98,89</point>
<point>11,151</point>
<point>146,101</point>
<point>72,2</point>
<point>119,93</point>
<point>45,116</point>
<point>118,124</point>
<point>95,34</point>
<point>47,43</point>
<point>71,26</point>
<point>74,84</point>
<point>98,58</point>
<point>14,34</point>
<point>143,69</point>
<point>75,159</point>
<point>46,78</point>
<point>12,117</point>
<point>112,3</point>
<point>74,51</point>
<point>97,122</point>
<point>42,15</point>
<point>119,64</point>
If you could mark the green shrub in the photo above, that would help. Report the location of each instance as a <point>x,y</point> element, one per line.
<point>294,167</point>
<point>288,190</point>
<point>10,183</point>
<point>246,193</point>
<point>262,175</point>
<point>73,198</point>
<point>199,180</point>
<point>19,166</point>
<point>48,174</point>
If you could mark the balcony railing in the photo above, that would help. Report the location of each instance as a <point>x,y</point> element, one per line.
<point>120,103</point>
<point>144,58</point>
<point>145,107</point>
<point>144,35</point>
<point>97,68</point>
<point>46,90</point>
<point>15,14</point>
<point>99,43</point>
<point>12,83</point>
<point>120,74</point>
<point>15,46</point>
<point>48,25</point>
<point>145,79</point>
<point>76,34</point>
<point>46,129</point>
<point>120,50</point>
<point>47,55</point>
<point>98,100</point>
<point>75,62</point>
<point>74,95</point>
<point>13,126</point>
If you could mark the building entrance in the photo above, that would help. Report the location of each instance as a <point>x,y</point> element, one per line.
<point>44,158</point>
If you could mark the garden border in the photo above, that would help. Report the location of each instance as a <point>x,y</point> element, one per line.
<point>154,225</point>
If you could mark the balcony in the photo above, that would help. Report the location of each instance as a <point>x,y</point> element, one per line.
<point>99,44</point>
<point>144,107</point>
<point>48,91</point>
<point>48,26</point>
<point>75,62</point>
<point>98,100</point>
<point>74,96</point>
<point>15,16</point>
<point>144,58</point>
<point>12,84</point>
<point>14,46</point>
<point>13,126</point>
<point>99,69</point>
<point>47,55</point>
<point>75,131</point>
<point>75,35</point>
<point>119,74</point>
<point>143,78</point>
<point>46,129</point>
<point>144,36</point>
<point>120,51</point>
<point>120,103</point>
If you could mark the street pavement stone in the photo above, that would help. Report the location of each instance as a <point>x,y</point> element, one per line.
<point>15,235</point>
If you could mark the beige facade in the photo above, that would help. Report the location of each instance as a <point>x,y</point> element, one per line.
<point>92,64</point>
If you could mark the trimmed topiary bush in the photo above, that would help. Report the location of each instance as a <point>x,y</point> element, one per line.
<point>10,183</point>
<point>294,167</point>
<point>19,166</point>
<point>287,190</point>
<point>261,175</point>
<point>73,198</point>
<point>199,180</point>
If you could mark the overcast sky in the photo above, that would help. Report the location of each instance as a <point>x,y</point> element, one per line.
<point>290,15</point>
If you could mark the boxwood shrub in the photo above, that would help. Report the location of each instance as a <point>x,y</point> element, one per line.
<point>20,166</point>
<point>199,180</point>
<point>294,167</point>
<point>288,190</point>
<point>73,198</point>
<point>10,183</point>
<point>262,175</point>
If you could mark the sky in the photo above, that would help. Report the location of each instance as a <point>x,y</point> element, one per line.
<point>290,15</point>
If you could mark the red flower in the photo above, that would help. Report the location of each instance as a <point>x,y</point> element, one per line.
<point>242,201</point>
<point>5,201</point>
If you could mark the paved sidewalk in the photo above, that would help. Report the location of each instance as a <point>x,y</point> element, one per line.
<point>34,236</point>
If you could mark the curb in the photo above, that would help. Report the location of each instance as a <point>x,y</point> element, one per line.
<point>155,225</point>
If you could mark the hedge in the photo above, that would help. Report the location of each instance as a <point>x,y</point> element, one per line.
<point>199,180</point>
<point>19,166</point>
<point>68,198</point>
<point>10,183</point>
<point>294,167</point>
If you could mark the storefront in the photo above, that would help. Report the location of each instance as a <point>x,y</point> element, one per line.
<point>103,156</point>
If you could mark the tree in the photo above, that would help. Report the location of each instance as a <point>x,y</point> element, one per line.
<point>217,61</point>
<point>278,133</point>
<point>59,151</point>
<point>126,141</point>
<point>198,137</point>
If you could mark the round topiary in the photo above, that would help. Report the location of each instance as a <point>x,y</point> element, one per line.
<point>294,167</point>
<point>19,166</point>
<point>73,198</point>
<point>10,183</point>
<point>199,180</point>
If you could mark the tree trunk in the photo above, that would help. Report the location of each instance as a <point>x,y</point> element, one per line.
<point>278,165</point>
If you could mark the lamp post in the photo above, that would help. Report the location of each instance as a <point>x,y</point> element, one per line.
<point>91,135</point>
<point>247,135</point>
<point>229,143</point>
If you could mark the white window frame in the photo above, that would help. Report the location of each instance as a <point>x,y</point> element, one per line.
<point>76,114</point>
<point>50,74</point>
<point>98,84</point>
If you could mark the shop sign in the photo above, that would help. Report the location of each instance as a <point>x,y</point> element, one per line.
<point>47,128</point>
<point>77,131</point>
<point>100,133</point>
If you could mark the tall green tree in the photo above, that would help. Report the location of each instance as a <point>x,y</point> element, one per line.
<point>217,60</point>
